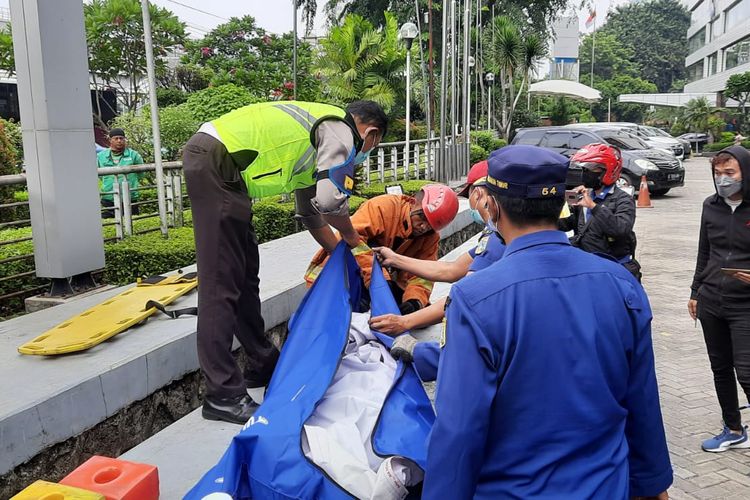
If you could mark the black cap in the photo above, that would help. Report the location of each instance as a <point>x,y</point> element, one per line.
<point>117,132</point>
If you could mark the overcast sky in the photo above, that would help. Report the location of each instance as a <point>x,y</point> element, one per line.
<point>276,15</point>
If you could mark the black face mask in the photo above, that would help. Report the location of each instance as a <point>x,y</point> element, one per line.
<point>592,180</point>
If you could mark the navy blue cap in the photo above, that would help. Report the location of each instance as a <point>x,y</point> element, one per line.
<point>527,172</point>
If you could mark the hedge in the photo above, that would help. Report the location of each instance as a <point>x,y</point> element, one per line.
<point>718,146</point>
<point>486,140</point>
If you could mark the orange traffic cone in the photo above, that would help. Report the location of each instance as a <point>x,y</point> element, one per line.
<point>644,198</point>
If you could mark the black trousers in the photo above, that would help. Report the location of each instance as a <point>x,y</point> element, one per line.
<point>727,335</point>
<point>228,264</point>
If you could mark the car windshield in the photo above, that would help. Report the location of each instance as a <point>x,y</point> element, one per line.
<point>659,131</point>
<point>623,140</point>
<point>647,132</point>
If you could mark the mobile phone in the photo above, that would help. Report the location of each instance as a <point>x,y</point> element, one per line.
<point>573,196</point>
<point>731,270</point>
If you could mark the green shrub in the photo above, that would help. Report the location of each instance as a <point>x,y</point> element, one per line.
<point>13,130</point>
<point>209,104</point>
<point>726,137</point>
<point>486,140</point>
<point>176,124</point>
<point>378,188</point>
<point>478,153</point>
<point>273,219</point>
<point>354,203</point>
<point>170,96</point>
<point>716,146</point>
<point>148,254</point>
<point>483,138</point>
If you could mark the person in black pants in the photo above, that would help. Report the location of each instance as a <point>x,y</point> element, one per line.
<point>720,296</point>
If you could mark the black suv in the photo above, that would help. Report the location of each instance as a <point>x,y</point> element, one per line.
<point>662,170</point>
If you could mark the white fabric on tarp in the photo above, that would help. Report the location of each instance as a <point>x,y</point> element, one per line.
<point>337,436</point>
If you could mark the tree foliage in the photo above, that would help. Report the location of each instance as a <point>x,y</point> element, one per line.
<point>7,58</point>
<point>655,31</point>
<point>242,53</point>
<point>512,56</point>
<point>612,89</point>
<point>176,124</point>
<point>117,52</point>
<point>700,116</point>
<point>738,88</point>
<point>211,103</point>
<point>358,61</point>
<point>611,58</point>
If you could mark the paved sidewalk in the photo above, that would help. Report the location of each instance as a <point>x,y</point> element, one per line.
<point>667,246</point>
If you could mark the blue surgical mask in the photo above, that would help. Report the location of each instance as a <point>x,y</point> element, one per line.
<point>476,217</point>
<point>727,186</point>
<point>361,157</point>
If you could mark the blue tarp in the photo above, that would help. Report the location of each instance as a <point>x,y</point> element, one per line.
<point>265,460</point>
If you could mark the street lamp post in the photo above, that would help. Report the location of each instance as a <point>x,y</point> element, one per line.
<point>408,33</point>
<point>489,79</point>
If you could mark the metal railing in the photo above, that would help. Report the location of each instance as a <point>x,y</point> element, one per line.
<point>388,163</point>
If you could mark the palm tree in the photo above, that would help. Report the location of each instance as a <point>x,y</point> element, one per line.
<point>359,62</point>
<point>700,116</point>
<point>512,56</point>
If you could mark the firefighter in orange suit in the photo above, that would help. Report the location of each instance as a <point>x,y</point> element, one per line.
<point>408,225</point>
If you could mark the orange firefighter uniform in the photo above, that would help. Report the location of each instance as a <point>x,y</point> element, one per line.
<point>384,221</point>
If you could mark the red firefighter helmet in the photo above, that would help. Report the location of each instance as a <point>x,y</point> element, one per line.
<point>439,204</point>
<point>600,156</point>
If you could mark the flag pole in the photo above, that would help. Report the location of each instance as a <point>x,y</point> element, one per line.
<point>593,46</point>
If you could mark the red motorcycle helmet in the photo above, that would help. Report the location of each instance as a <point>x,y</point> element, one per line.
<point>439,204</point>
<point>600,156</point>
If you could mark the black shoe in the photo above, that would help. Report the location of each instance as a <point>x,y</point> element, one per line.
<point>237,410</point>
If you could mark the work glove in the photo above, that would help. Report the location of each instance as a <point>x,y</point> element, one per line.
<point>403,347</point>
<point>410,306</point>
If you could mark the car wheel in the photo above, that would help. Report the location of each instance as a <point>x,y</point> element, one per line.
<point>659,192</point>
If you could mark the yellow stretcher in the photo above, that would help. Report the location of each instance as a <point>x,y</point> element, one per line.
<point>113,316</point>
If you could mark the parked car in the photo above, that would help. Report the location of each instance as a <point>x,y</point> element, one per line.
<point>662,170</point>
<point>669,144</point>
<point>696,139</point>
<point>686,146</point>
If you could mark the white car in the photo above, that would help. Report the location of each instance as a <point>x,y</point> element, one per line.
<point>654,140</point>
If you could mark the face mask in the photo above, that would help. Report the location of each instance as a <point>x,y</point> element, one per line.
<point>727,186</point>
<point>476,217</point>
<point>361,157</point>
<point>592,180</point>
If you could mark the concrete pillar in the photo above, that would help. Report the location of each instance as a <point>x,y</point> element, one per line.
<point>53,92</point>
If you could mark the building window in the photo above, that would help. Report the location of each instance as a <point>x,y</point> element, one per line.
<point>697,41</point>
<point>736,14</point>
<point>737,54</point>
<point>700,14</point>
<point>717,28</point>
<point>713,66</point>
<point>695,71</point>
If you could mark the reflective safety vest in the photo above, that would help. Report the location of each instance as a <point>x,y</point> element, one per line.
<point>272,143</point>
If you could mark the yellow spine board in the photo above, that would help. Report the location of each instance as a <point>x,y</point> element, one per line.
<point>109,318</point>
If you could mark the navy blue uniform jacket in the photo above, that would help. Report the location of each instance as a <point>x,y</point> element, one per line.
<point>546,384</point>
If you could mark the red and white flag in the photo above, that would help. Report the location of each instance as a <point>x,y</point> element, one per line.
<point>591,18</point>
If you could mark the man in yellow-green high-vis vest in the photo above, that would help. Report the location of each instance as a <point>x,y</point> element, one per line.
<point>261,150</point>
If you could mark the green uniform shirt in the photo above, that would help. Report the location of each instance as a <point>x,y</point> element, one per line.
<point>128,157</point>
